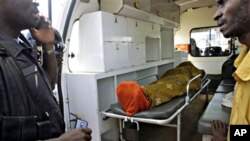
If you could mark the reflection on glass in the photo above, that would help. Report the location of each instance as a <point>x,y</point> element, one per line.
<point>209,41</point>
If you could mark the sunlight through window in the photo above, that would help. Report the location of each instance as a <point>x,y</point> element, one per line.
<point>57,9</point>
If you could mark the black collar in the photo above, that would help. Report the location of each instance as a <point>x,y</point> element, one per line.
<point>12,45</point>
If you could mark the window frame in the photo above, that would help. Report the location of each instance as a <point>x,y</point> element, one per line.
<point>206,51</point>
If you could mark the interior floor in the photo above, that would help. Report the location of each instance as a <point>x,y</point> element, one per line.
<point>189,120</point>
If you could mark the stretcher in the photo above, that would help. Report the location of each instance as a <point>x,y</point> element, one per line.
<point>162,114</point>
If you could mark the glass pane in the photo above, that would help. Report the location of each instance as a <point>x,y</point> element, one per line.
<point>209,41</point>
<point>43,7</point>
<point>57,11</point>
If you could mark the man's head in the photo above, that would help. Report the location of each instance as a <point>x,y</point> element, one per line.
<point>17,15</point>
<point>233,17</point>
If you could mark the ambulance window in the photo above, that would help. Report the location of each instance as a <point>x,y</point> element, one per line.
<point>52,9</point>
<point>209,42</point>
<point>43,7</point>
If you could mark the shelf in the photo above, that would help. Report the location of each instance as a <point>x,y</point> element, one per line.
<point>102,75</point>
<point>131,12</point>
<point>132,69</point>
<point>127,70</point>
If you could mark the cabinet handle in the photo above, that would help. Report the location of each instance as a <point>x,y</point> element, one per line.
<point>116,21</point>
<point>71,55</point>
<point>117,46</point>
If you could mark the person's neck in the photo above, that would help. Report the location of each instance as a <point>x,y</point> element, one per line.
<point>12,32</point>
<point>245,39</point>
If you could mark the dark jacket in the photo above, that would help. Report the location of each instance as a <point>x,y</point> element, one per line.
<point>40,98</point>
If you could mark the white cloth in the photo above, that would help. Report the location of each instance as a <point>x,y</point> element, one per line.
<point>227,100</point>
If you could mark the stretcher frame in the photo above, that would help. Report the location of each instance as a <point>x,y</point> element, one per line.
<point>163,122</point>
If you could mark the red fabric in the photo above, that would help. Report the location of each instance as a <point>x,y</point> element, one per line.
<point>132,97</point>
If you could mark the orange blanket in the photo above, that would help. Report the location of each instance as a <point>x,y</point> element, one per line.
<point>132,97</point>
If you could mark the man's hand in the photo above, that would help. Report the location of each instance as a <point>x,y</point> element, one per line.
<point>44,34</point>
<point>219,130</point>
<point>80,134</point>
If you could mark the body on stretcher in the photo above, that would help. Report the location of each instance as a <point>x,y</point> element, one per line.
<point>162,114</point>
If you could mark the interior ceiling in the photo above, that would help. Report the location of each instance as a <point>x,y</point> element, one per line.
<point>188,4</point>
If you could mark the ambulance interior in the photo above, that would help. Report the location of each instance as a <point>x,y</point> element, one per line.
<point>111,41</point>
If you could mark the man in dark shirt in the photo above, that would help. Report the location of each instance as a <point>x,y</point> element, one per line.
<point>17,15</point>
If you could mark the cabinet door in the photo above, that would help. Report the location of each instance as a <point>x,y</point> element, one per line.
<point>116,55</point>
<point>122,56</point>
<point>146,27</point>
<point>141,56</point>
<point>137,53</point>
<point>114,27</point>
<point>135,31</point>
<point>167,43</point>
<point>154,31</point>
<point>151,30</point>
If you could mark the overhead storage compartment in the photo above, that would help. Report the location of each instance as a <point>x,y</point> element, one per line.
<point>119,7</point>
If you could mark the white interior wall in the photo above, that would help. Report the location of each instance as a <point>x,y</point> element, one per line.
<point>200,17</point>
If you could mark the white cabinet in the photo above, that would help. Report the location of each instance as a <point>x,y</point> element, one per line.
<point>136,30</point>
<point>116,55</point>
<point>88,97</point>
<point>167,43</point>
<point>103,42</point>
<point>110,42</point>
<point>152,49</point>
<point>153,31</point>
<point>152,42</point>
<point>137,53</point>
<point>91,93</point>
<point>114,27</point>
